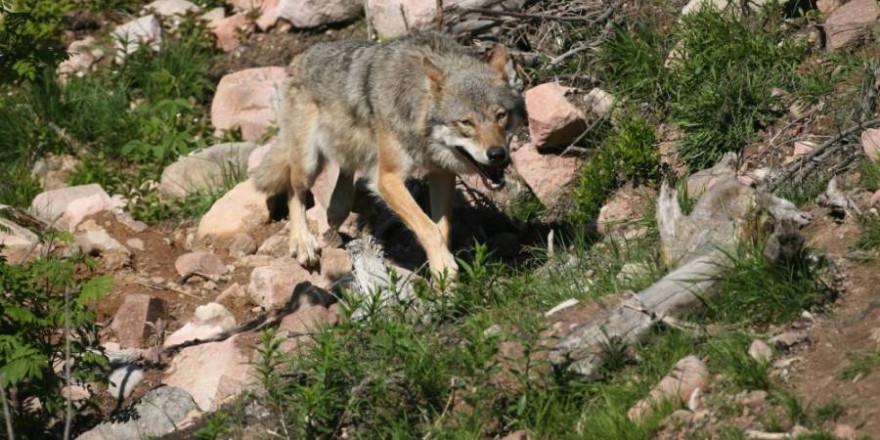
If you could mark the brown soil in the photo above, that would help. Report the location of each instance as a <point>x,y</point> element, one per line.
<point>844,333</point>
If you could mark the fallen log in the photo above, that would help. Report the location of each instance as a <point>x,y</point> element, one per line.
<point>700,245</point>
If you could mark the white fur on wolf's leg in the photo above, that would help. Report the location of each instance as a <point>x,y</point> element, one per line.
<point>443,265</point>
<point>303,246</point>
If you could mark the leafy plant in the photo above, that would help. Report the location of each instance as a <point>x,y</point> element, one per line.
<point>30,37</point>
<point>40,300</point>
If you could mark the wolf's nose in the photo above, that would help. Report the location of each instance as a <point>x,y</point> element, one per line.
<point>496,155</point>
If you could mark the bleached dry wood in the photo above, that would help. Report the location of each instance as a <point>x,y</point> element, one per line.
<point>700,243</point>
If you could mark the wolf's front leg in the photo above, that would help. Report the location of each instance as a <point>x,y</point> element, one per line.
<point>442,185</point>
<point>303,245</point>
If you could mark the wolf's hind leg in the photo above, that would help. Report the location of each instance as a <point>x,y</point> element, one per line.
<point>306,163</point>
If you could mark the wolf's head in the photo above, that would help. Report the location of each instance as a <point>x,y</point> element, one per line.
<point>474,114</point>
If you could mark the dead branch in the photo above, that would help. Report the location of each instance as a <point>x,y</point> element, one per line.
<point>803,167</point>
<point>527,16</point>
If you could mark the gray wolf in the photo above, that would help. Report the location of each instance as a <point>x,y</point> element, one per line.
<point>418,104</point>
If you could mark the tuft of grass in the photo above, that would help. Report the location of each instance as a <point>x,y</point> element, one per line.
<point>859,365</point>
<point>730,354</point>
<point>869,239</point>
<point>719,88</point>
<point>830,411</point>
<point>869,173</point>
<point>754,291</point>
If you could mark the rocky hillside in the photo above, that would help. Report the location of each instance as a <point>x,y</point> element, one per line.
<point>688,245</point>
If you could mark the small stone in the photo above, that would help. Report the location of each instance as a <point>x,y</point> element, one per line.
<point>682,416</point>
<point>228,31</point>
<point>752,399</point>
<point>203,262</point>
<point>802,148</point>
<point>553,120</point>
<point>871,143</point>
<point>242,245</point>
<point>788,339</point>
<point>335,263</point>
<point>272,286</point>
<point>845,432</point>
<point>244,99</point>
<point>135,243</point>
<point>205,169</point>
<point>760,351</point>
<point>160,412</point>
<point>210,320</point>
<point>129,36</point>
<point>518,435</point>
<point>689,375</point>
<point>68,207</point>
<point>492,331</point>
<point>600,102</point>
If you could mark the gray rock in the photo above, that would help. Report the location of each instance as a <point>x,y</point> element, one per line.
<point>17,241</point>
<point>242,245</point>
<point>760,351</point>
<point>129,36</point>
<point>206,169</point>
<point>66,207</point>
<point>156,414</point>
<point>98,242</point>
<point>171,8</point>
<point>788,339</point>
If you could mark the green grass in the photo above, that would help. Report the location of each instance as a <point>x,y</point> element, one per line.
<point>869,239</point>
<point>830,411</point>
<point>859,365</point>
<point>629,154</point>
<point>756,292</point>
<point>719,92</point>
<point>730,353</point>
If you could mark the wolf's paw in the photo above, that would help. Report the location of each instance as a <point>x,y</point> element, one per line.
<point>306,251</point>
<point>444,267</point>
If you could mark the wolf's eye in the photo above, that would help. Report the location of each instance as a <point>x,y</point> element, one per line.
<point>501,114</point>
<point>466,123</point>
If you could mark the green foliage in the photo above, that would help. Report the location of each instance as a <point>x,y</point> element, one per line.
<point>629,154</point>
<point>754,291</point>
<point>830,411</point>
<point>731,353</point>
<point>39,300</point>
<point>859,365</point>
<point>30,37</point>
<point>869,239</point>
<point>718,89</point>
<point>216,425</point>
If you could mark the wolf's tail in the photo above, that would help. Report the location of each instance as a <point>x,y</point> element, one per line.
<point>273,175</point>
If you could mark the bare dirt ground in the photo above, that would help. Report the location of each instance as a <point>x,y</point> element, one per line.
<point>846,332</point>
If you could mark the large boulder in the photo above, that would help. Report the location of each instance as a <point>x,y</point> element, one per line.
<point>239,211</point>
<point>159,412</point>
<point>546,174</point>
<point>133,319</point>
<point>850,23</point>
<point>65,208</point>
<point>211,372</point>
<point>553,120</point>
<point>272,286</point>
<point>129,36</point>
<point>206,169</point>
<point>17,242</point>
<point>313,13</point>
<point>244,99</point>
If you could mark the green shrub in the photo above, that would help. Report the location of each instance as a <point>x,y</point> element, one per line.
<point>629,154</point>
<point>30,37</point>
<point>719,89</point>
<point>40,299</point>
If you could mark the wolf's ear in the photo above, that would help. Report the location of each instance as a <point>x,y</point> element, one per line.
<point>498,60</point>
<point>434,74</point>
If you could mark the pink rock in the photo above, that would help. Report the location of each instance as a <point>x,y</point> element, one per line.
<point>241,210</point>
<point>213,16</point>
<point>850,23</point>
<point>545,173</point>
<point>67,207</point>
<point>130,322</point>
<point>688,375</point>
<point>871,143</point>
<point>313,13</point>
<point>826,7</point>
<point>802,148</point>
<point>229,29</point>
<point>335,263</point>
<point>626,205</point>
<point>210,320</point>
<point>389,21</point>
<point>83,55</point>
<point>307,320</point>
<point>875,198</point>
<point>845,432</point>
<point>518,435</point>
<point>17,242</point>
<point>244,99</point>
<point>272,286</point>
<point>200,261</point>
<point>553,121</point>
<point>210,372</point>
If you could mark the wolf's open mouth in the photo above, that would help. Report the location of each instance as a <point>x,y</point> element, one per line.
<point>492,175</point>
